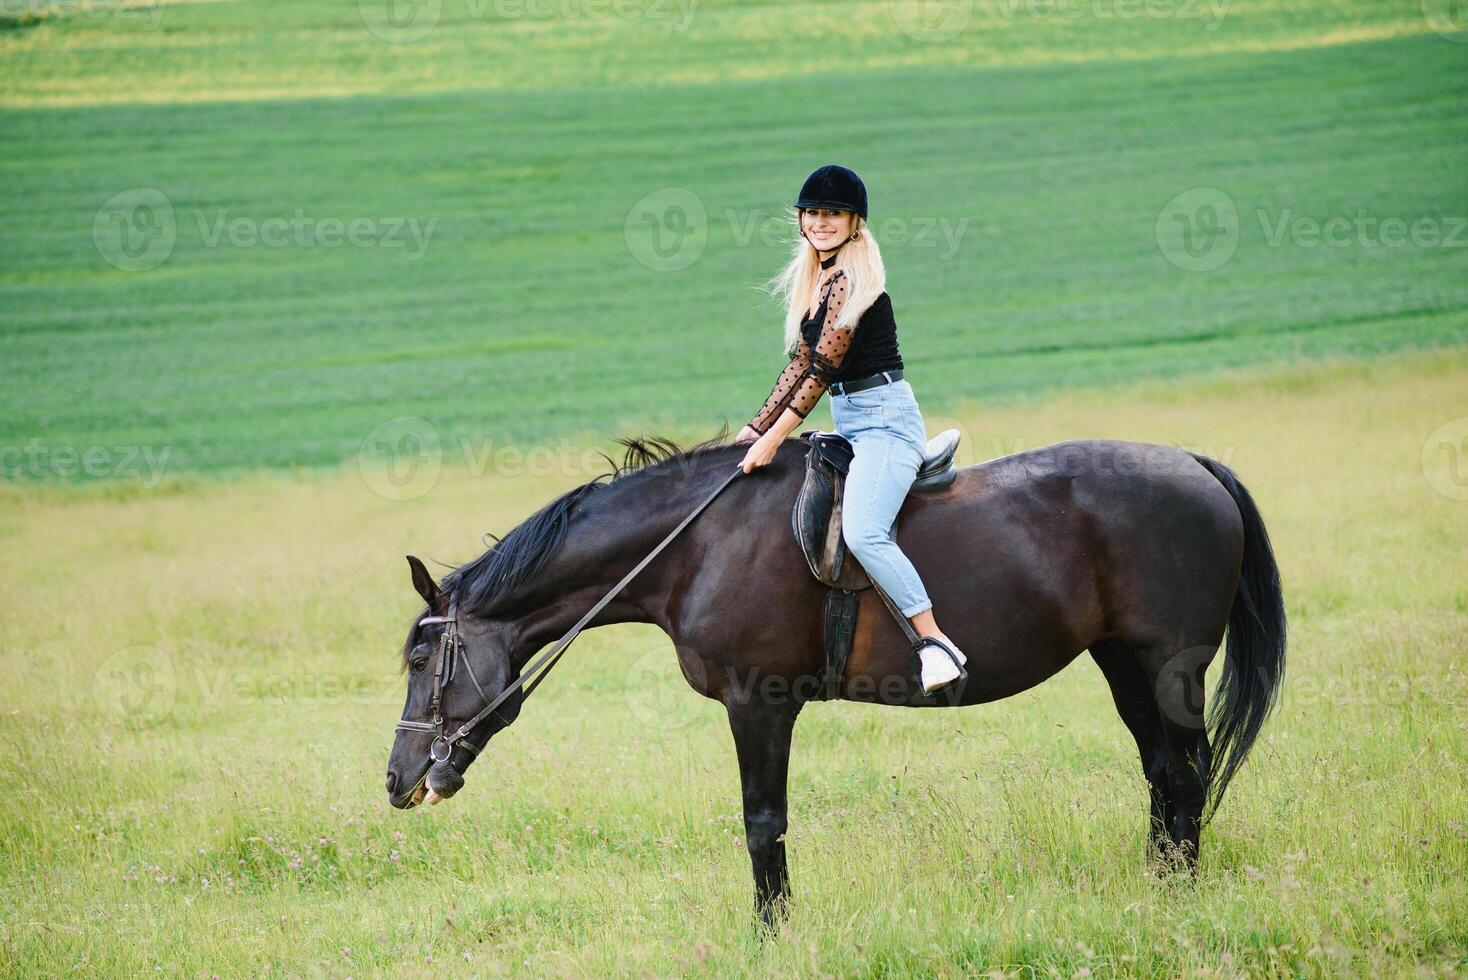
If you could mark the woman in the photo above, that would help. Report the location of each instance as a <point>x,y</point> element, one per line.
<point>840,334</point>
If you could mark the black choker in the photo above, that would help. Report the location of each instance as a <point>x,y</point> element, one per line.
<point>827,263</point>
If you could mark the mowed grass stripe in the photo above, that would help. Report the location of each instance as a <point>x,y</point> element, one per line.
<point>1052,178</point>
<point>286,50</point>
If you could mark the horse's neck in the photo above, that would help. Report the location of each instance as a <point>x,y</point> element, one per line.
<point>611,531</point>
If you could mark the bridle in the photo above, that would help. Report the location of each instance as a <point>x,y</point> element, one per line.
<point>450,650</point>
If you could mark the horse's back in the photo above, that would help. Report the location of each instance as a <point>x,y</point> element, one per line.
<point>1079,540</point>
<point>1112,479</point>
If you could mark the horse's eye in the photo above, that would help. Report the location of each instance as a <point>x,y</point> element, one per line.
<point>419,664</point>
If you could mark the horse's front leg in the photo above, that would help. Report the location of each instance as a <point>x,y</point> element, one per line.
<point>762,737</point>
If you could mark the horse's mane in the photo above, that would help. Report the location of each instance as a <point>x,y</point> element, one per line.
<point>521,553</point>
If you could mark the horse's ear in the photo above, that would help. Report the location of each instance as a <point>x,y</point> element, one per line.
<point>423,582</point>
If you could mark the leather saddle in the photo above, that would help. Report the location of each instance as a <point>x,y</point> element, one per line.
<point>816,518</point>
<point>816,521</point>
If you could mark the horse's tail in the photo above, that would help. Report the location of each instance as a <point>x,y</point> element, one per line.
<point>1254,663</point>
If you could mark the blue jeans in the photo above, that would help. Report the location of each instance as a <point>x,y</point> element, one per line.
<point>885,428</point>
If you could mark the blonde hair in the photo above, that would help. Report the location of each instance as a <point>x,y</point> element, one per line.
<point>859,258</point>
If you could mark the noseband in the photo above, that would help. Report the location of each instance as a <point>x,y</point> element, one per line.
<point>450,652</point>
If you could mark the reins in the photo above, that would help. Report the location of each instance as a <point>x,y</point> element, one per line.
<point>536,672</point>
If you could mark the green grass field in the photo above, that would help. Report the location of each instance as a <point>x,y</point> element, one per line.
<point>291,289</point>
<point>1019,172</point>
<point>200,688</point>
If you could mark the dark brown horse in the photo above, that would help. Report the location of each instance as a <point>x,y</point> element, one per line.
<point>1140,553</point>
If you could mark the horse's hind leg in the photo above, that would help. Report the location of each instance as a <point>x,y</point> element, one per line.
<point>1137,706</point>
<point>1177,682</point>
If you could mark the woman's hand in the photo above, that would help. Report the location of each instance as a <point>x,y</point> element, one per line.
<point>746,434</point>
<point>761,452</point>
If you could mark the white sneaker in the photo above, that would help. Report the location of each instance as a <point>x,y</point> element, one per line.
<point>961,658</point>
<point>938,670</point>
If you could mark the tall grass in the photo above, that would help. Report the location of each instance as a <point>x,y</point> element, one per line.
<point>213,803</point>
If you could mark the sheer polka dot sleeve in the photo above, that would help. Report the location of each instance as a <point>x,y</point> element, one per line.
<point>810,372</point>
<point>831,349</point>
<point>784,389</point>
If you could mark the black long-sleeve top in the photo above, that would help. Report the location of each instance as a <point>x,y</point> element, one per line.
<point>828,354</point>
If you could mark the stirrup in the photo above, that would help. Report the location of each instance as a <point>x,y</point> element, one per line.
<point>931,697</point>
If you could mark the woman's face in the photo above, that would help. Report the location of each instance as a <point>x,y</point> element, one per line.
<point>826,229</point>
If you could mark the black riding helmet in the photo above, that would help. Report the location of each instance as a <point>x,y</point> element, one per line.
<point>836,188</point>
<point>833,187</point>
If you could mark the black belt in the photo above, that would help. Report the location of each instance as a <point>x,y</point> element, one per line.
<point>862,384</point>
